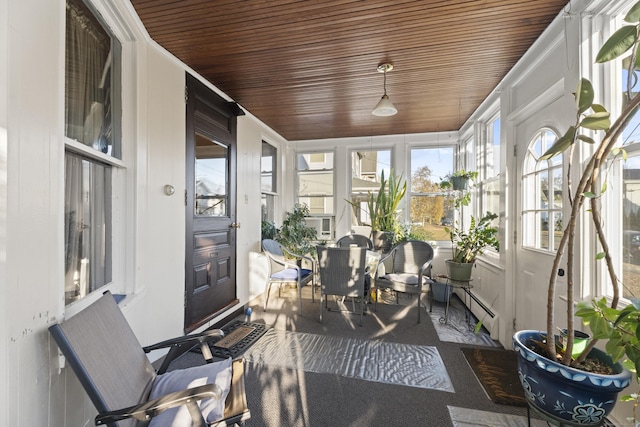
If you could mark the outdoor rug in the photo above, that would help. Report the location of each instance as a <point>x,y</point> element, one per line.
<point>379,361</point>
<point>457,328</point>
<point>497,371</point>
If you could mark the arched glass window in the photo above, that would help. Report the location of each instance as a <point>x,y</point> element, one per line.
<point>541,194</point>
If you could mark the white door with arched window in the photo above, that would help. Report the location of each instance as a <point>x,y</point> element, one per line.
<point>539,215</point>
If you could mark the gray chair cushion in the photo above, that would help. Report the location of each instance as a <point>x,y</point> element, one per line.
<point>212,409</point>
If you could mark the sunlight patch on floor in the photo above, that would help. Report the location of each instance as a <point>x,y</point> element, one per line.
<point>463,417</point>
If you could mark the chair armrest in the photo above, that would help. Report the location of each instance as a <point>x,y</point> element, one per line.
<point>180,345</point>
<point>147,410</point>
<point>387,256</point>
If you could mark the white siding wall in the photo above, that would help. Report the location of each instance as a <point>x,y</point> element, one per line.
<point>33,390</point>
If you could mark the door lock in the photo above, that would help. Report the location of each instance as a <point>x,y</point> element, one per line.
<point>235,225</point>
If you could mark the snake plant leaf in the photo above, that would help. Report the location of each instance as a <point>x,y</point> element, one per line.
<point>561,144</point>
<point>584,95</point>
<point>620,42</point>
<point>597,121</point>
<point>633,15</point>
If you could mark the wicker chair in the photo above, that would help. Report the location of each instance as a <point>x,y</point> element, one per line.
<point>410,269</point>
<point>342,272</point>
<point>285,271</point>
<point>355,240</point>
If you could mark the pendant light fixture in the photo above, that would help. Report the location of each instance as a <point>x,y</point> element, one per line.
<point>385,107</point>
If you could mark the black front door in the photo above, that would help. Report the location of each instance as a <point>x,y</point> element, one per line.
<point>210,206</point>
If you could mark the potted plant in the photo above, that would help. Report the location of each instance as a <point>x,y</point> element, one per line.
<point>468,244</point>
<point>384,210</point>
<point>459,180</point>
<point>295,234</point>
<point>556,385</point>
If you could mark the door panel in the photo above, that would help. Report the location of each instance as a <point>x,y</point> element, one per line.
<point>533,265</point>
<point>210,206</point>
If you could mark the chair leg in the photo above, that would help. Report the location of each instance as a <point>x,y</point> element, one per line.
<point>266,295</point>
<point>299,298</point>
<point>377,298</point>
<point>419,309</point>
<point>321,309</point>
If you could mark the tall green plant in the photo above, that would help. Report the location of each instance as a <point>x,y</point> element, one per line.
<point>592,117</point>
<point>384,206</point>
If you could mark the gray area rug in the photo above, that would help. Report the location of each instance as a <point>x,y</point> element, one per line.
<point>457,328</point>
<point>384,362</point>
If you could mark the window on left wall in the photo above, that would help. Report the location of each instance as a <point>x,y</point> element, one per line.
<point>92,148</point>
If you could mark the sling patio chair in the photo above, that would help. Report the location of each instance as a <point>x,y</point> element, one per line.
<point>114,370</point>
<point>410,269</point>
<point>283,270</point>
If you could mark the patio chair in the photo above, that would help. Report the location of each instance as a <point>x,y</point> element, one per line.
<point>342,272</point>
<point>287,271</point>
<point>410,270</point>
<point>355,239</point>
<point>114,370</point>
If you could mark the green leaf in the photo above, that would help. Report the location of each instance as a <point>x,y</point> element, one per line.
<point>589,194</point>
<point>600,328</point>
<point>617,44</point>
<point>561,144</point>
<point>585,311</point>
<point>597,121</point>
<point>597,108</point>
<point>600,255</point>
<point>634,14</point>
<point>586,139</point>
<point>584,95</point>
<point>627,398</point>
<point>476,330</point>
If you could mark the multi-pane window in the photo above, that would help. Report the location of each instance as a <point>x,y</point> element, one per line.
<point>542,194</point>
<point>92,128</point>
<point>268,168</point>
<point>489,162</point>
<point>366,170</point>
<point>430,208</point>
<point>315,182</point>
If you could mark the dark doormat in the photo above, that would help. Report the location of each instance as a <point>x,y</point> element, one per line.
<point>497,371</point>
<point>238,337</point>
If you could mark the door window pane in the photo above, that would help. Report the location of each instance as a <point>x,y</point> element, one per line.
<point>542,183</point>
<point>212,177</point>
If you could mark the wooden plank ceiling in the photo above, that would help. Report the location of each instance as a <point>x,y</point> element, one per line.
<point>307,68</point>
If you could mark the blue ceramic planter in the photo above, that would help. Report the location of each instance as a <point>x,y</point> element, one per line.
<point>564,395</point>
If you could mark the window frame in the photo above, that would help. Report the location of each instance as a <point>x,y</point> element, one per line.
<point>436,193</point>
<point>123,192</point>
<point>332,171</point>
<point>273,193</point>
<point>350,175</point>
<point>531,229</point>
